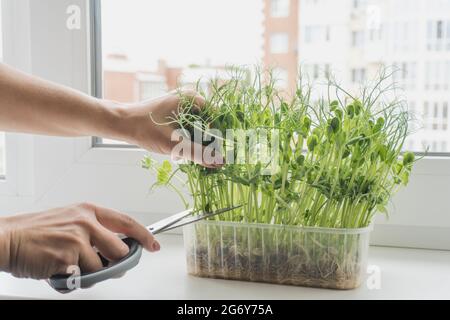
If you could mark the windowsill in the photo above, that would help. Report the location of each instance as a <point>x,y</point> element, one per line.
<point>405,274</point>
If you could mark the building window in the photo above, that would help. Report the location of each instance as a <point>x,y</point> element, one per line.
<point>410,37</point>
<point>279,43</point>
<point>357,38</point>
<point>436,110</point>
<point>327,70</point>
<point>425,114</point>
<point>406,74</point>
<point>429,35</point>
<point>308,34</point>
<point>315,34</point>
<point>316,72</point>
<point>358,75</point>
<point>412,108</point>
<point>151,89</point>
<point>425,109</point>
<point>438,35</point>
<point>448,35</point>
<point>437,75</point>
<point>279,8</point>
<point>439,30</point>
<point>281,77</point>
<point>446,84</point>
<point>375,35</point>
<point>359,3</point>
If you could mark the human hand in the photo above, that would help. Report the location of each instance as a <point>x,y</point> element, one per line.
<point>149,124</point>
<point>40,245</point>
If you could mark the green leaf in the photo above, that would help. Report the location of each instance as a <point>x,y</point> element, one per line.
<point>163,173</point>
<point>382,152</point>
<point>408,158</point>
<point>350,111</point>
<point>312,142</point>
<point>405,177</point>
<point>147,162</point>
<point>382,209</point>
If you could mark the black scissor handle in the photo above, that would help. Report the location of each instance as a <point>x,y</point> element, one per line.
<point>68,282</point>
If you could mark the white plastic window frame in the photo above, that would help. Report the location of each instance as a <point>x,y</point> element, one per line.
<point>14,185</point>
<point>63,170</point>
<point>54,171</point>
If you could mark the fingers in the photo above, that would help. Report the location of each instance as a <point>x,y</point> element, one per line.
<point>121,223</point>
<point>89,261</point>
<point>108,244</point>
<point>195,99</point>
<point>204,155</point>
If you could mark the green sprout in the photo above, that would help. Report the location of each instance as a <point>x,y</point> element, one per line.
<point>340,159</point>
<point>164,175</point>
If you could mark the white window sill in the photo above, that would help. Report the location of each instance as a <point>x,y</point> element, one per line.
<point>405,274</point>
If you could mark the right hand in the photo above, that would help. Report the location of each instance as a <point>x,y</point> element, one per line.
<point>40,245</point>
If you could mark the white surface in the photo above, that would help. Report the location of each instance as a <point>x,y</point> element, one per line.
<point>405,274</point>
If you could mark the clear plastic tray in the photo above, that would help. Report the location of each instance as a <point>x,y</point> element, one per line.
<point>302,256</point>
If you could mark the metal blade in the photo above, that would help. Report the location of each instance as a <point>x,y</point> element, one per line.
<point>198,218</point>
<point>164,223</point>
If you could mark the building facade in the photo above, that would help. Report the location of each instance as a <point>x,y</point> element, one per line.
<point>354,39</point>
<point>281,35</point>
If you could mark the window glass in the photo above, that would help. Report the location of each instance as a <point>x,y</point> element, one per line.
<point>149,48</point>
<point>279,8</point>
<point>152,47</point>
<point>368,35</point>
<point>279,42</point>
<point>281,76</point>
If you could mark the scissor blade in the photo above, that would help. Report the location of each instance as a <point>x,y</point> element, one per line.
<point>198,218</point>
<point>164,223</point>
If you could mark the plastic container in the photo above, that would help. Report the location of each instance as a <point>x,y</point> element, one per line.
<point>301,256</point>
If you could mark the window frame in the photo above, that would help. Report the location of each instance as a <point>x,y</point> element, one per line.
<point>14,184</point>
<point>8,181</point>
<point>280,13</point>
<point>111,175</point>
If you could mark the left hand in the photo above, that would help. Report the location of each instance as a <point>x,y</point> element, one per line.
<point>152,133</point>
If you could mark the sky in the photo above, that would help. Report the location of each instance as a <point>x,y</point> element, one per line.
<point>184,32</point>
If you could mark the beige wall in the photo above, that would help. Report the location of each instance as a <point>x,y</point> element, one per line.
<point>120,86</point>
<point>289,25</point>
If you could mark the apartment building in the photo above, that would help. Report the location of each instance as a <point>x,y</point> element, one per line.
<point>353,39</point>
<point>281,35</point>
<point>125,82</point>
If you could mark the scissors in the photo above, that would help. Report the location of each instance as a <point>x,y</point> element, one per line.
<point>65,282</point>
